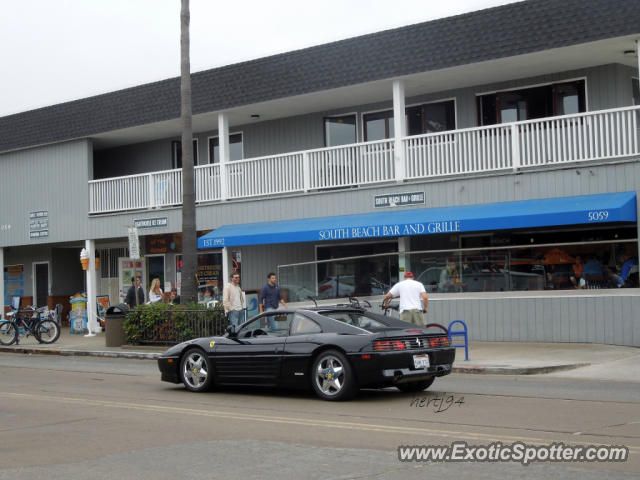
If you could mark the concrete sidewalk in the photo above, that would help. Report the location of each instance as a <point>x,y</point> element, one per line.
<point>507,358</point>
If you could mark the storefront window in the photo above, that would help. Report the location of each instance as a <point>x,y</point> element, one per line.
<point>209,273</point>
<point>534,260</point>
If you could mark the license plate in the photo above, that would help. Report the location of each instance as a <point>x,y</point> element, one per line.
<point>421,361</point>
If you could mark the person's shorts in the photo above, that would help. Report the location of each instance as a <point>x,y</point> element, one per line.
<point>413,316</point>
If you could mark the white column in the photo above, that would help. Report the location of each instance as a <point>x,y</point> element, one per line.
<point>1,282</point>
<point>404,263</point>
<point>223,145</point>
<point>225,266</point>
<point>399,127</point>
<point>92,325</point>
<point>638,54</point>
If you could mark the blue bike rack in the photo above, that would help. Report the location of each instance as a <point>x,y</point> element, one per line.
<point>460,333</point>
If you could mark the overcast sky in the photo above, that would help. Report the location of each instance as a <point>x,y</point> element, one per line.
<point>53,51</point>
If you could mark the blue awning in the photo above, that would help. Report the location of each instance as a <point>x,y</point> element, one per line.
<point>583,209</point>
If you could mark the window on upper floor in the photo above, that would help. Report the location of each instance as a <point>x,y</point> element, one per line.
<point>236,151</point>
<point>431,117</point>
<point>340,130</point>
<point>426,118</point>
<point>529,103</point>
<point>176,153</point>
<point>378,125</point>
<point>635,87</point>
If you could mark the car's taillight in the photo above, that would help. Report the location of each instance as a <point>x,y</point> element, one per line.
<point>381,346</point>
<point>324,287</point>
<point>385,346</point>
<point>439,341</point>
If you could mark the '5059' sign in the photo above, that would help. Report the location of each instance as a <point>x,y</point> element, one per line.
<point>598,215</point>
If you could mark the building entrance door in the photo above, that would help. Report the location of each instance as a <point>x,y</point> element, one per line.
<point>155,269</point>
<point>41,283</point>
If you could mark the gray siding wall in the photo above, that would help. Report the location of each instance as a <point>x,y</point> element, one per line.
<point>608,86</point>
<point>52,178</point>
<point>572,317</point>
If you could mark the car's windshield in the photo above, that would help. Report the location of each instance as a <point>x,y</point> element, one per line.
<point>276,324</point>
<point>357,319</point>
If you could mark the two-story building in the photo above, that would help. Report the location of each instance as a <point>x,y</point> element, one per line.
<point>494,154</point>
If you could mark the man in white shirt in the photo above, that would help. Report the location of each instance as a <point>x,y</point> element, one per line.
<point>413,299</point>
<point>233,301</point>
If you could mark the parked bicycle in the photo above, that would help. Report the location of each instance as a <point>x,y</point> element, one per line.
<point>40,323</point>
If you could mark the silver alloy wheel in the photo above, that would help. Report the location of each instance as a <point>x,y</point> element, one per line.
<point>194,370</point>
<point>330,375</point>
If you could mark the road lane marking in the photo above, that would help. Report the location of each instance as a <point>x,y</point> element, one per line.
<point>292,420</point>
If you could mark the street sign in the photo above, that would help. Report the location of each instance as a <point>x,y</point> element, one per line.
<point>134,244</point>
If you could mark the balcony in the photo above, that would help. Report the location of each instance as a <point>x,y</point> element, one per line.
<point>590,136</point>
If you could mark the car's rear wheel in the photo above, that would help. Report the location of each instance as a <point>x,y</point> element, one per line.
<point>332,377</point>
<point>196,371</point>
<point>415,386</point>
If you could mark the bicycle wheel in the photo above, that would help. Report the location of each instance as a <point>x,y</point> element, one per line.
<point>8,333</point>
<point>47,331</point>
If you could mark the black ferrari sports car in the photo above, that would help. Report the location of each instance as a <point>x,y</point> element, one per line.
<point>334,350</point>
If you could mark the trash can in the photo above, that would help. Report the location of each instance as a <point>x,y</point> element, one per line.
<point>114,325</point>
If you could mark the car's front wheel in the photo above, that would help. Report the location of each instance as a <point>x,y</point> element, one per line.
<point>196,371</point>
<point>332,377</point>
<point>415,386</point>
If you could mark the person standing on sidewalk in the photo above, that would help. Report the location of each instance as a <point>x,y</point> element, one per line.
<point>413,300</point>
<point>269,299</point>
<point>135,288</point>
<point>233,301</point>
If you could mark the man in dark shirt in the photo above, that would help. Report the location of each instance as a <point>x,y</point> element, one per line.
<point>131,293</point>
<point>270,298</point>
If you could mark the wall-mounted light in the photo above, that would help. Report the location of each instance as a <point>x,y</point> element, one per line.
<point>255,115</point>
<point>629,53</point>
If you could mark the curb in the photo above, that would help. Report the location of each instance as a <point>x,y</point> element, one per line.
<point>476,369</point>
<point>488,370</point>
<point>81,353</point>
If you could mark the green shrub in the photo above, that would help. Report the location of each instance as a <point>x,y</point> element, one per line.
<point>164,323</point>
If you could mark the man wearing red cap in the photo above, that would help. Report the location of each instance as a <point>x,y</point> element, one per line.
<point>413,299</point>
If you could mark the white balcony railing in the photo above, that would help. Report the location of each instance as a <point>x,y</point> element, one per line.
<point>582,137</point>
<point>458,151</point>
<point>350,165</point>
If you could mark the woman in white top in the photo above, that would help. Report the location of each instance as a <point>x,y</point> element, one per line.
<point>155,293</point>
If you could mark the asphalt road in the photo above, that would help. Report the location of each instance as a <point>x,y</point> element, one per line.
<point>78,417</point>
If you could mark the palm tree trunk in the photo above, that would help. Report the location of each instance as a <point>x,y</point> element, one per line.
<point>189,240</point>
